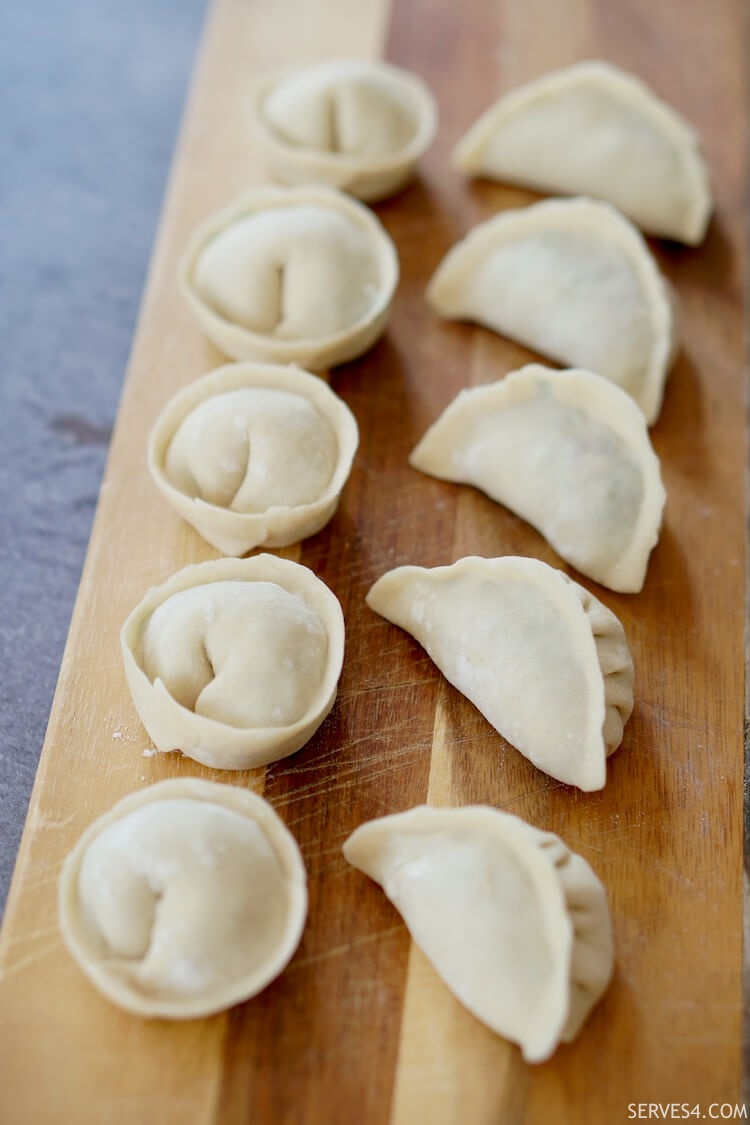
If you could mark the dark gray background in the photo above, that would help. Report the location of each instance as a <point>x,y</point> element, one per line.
<point>91,94</point>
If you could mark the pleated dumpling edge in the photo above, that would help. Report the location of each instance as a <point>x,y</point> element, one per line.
<point>569,452</point>
<point>594,129</point>
<point>515,924</point>
<point>545,662</point>
<point>573,280</point>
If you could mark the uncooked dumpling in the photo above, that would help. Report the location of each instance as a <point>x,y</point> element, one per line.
<point>595,130</point>
<point>574,281</point>
<point>291,275</point>
<point>565,450</point>
<point>515,923</point>
<point>355,124</point>
<point>185,898</point>
<point>544,661</point>
<point>235,662</point>
<point>254,455</point>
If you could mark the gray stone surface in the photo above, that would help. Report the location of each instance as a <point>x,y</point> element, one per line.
<point>91,94</point>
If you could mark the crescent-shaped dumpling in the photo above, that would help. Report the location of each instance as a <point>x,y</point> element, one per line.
<point>235,662</point>
<point>357,124</point>
<point>183,899</point>
<point>291,275</point>
<point>254,455</point>
<point>565,450</point>
<point>595,130</point>
<point>544,661</point>
<point>515,923</point>
<point>573,280</point>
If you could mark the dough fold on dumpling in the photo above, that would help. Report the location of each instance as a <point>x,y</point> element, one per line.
<point>565,450</point>
<point>573,280</point>
<point>254,455</point>
<point>291,275</point>
<point>593,129</point>
<point>515,923</point>
<point>355,124</point>
<point>235,662</point>
<point>185,898</point>
<point>546,663</point>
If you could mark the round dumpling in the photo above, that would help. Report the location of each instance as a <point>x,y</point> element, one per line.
<point>235,662</point>
<point>254,455</point>
<point>185,898</point>
<point>354,124</point>
<point>297,275</point>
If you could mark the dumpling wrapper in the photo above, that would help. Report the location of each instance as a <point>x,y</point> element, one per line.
<point>543,660</point>
<point>565,450</point>
<point>515,923</point>
<point>592,129</point>
<point>291,275</point>
<point>355,124</point>
<point>235,662</point>
<point>185,898</point>
<point>573,280</point>
<point>254,455</point>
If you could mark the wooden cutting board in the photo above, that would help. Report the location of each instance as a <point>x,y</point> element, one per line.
<point>359,1028</point>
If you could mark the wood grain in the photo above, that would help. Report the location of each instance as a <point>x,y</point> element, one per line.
<point>359,1027</point>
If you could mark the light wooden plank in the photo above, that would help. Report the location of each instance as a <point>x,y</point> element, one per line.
<point>97,1064</point>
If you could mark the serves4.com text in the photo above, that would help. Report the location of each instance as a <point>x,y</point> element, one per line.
<point>716,1111</point>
